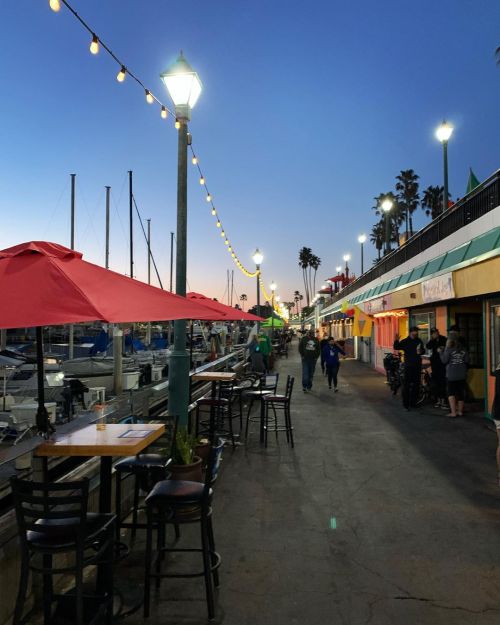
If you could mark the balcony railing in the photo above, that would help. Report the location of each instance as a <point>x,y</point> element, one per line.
<point>479,202</point>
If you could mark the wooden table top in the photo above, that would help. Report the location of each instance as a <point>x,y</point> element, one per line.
<point>115,439</point>
<point>214,376</point>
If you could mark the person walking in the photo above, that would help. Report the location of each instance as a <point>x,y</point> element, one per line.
<point>322,344</point>
<point>456,360</point>
<point>265,349</point>
<point>438,377</point>
<point>256,358</point>
<point>309,351</point>
<point>330,355</point>
<point>412,348</point>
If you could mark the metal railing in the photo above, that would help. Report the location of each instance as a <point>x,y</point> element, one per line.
<point>479,202</point>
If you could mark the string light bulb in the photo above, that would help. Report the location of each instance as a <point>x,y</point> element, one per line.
<point>177,124</point>
<point>202,180</point>
<point>232,254</point>
<point>55,5</point>
<point>218,223</point>
<point>121,74</point>
<point>213,212</point>
<point>94,45</point>
<point>223,234</point>
<point>209,198</point>
<point>149,97</point>
<point>226,242</point>
<point>194,160</point>
<point>230,249</point>
<point>163,113</point>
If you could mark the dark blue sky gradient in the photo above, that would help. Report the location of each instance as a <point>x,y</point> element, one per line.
<point>309,110</point>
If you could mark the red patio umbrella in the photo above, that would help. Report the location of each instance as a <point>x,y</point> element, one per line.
<point>45,283</point>
<point>48,284</point>
<point>225,312</point>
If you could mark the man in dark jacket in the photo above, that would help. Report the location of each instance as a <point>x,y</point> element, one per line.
<point>436,345</point>
<point>309,352</point>
<point>413,348</point>
<point>330,355</point>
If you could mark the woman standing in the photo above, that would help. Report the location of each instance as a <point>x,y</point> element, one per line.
<point>330,355</point>
<point>456,360</point>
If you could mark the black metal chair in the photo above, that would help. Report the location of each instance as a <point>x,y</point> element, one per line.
<point>247,382</point>
<point>221,408</point>
<point>180,502</point>
<point>277,402</point>
<point>268,386</point>
<point>53,520</point>
<point>146,468</point>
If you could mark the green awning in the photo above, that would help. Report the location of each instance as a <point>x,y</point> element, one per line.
<point>456,256</point>
<point>433,266</point>
<point>418,272</point>
<point>483,244</point>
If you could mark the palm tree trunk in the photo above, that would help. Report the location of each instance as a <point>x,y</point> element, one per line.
<point>411,226</point>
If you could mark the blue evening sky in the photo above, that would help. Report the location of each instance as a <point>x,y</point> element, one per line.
<point>309,110</point>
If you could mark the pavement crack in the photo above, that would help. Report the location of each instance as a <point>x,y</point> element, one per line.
<point>441,606</point>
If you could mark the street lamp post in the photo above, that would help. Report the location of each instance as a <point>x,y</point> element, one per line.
<point>257,258</point>
<point>362,239</point>
<point>347,258</point>
<point>443,133</point>
<point>273,287</point>
<point>386,207</point>
<point>184,88</point>
<point>338,269</point>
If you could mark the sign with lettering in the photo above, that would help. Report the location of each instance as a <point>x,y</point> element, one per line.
<point>438,289</point>
<point>379,304</point>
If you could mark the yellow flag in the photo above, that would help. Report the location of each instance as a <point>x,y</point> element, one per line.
<point>345,306</point>
<point>363,323</point>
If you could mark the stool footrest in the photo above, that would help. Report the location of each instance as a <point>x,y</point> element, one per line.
<point>213,554</point>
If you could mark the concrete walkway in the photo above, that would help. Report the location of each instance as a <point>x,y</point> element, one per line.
<point>378,516</point>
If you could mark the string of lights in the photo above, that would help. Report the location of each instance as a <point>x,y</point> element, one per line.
<point>96,44</point>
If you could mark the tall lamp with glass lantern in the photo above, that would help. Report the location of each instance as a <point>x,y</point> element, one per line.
<point>361,240</point>
<point>184,88</point>
<point>257,258</point>
<point>443,133</point>
<point>386,206</point>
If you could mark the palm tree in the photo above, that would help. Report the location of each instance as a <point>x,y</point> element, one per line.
<point>314,263</point>
<point>243,299</point>
<point>432,201</point>
<point>305,257</point>
<point>377,237</point>
<point>395,215</point>
<point>408,198</point>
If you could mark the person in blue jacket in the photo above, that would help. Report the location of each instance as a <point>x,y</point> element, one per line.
<point>330,355</point>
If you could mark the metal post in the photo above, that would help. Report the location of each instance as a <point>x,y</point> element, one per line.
<point>148,329</point>
<point>131,223</point>
<point>362,259</point>
<point>71,341</point>
<point>387,233</point>
<point>42,416</point>
<point>3,339</point>
<point>272,318</point>
<point>117,360</point>
<point>346,272</point>
<point>445,167</point>
<point>178,382</point>
<point>106,264</point>
<point>171,282</point>
<point>258,296</point>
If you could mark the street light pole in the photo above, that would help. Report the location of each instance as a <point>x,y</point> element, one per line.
<point>362,239</point>
<point>386,207</point>
<point>443,133</point>
<point>184,88</point>
<point>257,259</point>
<point>273,289</point>
<point>339,269</point>
<point>347,258</point>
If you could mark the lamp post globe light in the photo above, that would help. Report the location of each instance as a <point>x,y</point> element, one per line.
<point>257,258</point>
<point>386,207</point>
<point>273,286</point>
<point>361,240</point>
<point>443,133</point>
<point>184,88</point>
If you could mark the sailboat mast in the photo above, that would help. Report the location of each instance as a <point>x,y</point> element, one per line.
<point>131,223</point>
<point>71,341</point>
<point>108,189</point>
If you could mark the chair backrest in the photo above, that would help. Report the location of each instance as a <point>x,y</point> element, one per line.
<point>166,443</point>
<point>269,382</point>
<point>48,508</point>
<point>289,386</point>
<point>225,390</point>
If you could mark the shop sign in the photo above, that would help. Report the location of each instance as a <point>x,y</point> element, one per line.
<point>380,304</point>
<point>438,289</point>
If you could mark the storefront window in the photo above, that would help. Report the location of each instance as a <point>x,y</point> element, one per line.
<point>424,322</point>
<point>495,335</point>
<point>471,329</point>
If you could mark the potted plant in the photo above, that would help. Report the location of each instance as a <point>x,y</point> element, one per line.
<point>202,449</point>
<point>186,465</point>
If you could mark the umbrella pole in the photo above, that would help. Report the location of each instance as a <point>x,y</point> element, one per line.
<point>42,416</point>
<point>191,346</point>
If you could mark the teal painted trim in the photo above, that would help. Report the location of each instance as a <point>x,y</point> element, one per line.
<point>434,265</point>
